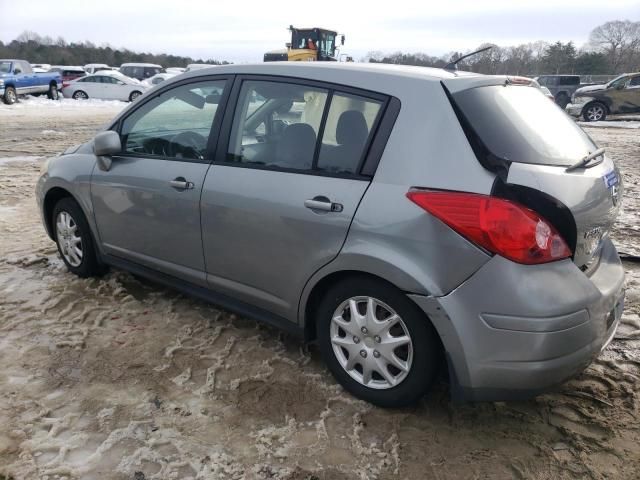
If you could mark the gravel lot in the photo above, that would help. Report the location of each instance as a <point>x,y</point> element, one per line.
<point>115,378</point>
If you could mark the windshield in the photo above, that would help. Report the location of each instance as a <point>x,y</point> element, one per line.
<point>5,67</point>
<point>519,124</point>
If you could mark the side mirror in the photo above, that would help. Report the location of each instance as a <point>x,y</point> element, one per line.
<point>107,143</point>
<point>620,86</point>
<point>341,39</point>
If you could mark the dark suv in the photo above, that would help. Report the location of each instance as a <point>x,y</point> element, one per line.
<point>560,86</point>
<point>620,95</point>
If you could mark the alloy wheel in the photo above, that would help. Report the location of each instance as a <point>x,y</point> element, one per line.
<point>69,239</point>
<point>595,113</point>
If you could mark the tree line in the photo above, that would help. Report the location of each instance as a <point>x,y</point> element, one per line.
<point>44,49</point>
<point>613,48</point>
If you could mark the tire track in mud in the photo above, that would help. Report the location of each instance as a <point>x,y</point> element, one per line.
<point>120,378</point>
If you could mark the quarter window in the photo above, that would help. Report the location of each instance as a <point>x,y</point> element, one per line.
<point>176,124</point>
<point>300,127</point>
<point>346,132</point>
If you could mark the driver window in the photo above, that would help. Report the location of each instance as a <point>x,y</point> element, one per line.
<point>176,124</point>
<point>277,124</point>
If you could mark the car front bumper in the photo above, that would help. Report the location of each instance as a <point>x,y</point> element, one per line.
<point>574,109</point>
<point>513,331</point>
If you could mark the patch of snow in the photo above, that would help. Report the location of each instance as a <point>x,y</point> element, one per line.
<point>612,124</point>
<point>27,159</point>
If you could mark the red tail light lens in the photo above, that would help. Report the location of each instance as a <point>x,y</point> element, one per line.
<point>500,226</point>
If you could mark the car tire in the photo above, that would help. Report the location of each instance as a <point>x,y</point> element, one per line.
<point>80,95</point>
<point>594,112</point>
<point>10,96</point>
<point>357,346</point>
<point>562,100</point>
<point>74,239</point>
<point>52,94</point>
<point>135,94</point>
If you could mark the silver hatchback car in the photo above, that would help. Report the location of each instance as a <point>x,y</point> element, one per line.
<point>404,218</point>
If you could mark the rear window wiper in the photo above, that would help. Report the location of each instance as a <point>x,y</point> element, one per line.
<point>583,162</point>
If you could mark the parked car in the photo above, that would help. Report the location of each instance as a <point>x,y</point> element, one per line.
<point>105,85</point>
<point>561,86</point>
<point>594,103</point>
<point>545,90</point>
<point>140,71</point>
<point>68,73</point>
<point>394,215</point>
<point>175,70</point>
<point>17,78</point>
<point>158,78</point>
<point>43,67</point>
<point>96,67</point>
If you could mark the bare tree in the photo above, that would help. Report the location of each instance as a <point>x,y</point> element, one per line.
<point>619,40</point>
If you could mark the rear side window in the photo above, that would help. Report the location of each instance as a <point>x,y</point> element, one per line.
<point>301,127</point>
<point>635,81</point>
<point>519,124</point>
<point>570,80</point>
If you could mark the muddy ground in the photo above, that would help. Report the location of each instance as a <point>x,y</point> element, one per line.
<point>115,378</point>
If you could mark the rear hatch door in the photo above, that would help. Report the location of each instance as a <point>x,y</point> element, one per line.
<point>529,141</point>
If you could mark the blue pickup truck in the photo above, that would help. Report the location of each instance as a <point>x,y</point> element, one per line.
<point>18,78</point>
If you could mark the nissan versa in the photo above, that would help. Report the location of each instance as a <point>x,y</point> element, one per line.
<point>396,216</point>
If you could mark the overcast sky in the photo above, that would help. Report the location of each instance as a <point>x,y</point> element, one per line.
<point>242,30</point>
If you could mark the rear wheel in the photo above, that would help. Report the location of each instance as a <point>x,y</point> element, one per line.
<point>52,94</point>
<point>74,240</point>
<point>135,94</point>
<point>562,100</point>
<point>10,96</point>
<point>376,342</point>
<point>80,95</point>
<point>594,112</point>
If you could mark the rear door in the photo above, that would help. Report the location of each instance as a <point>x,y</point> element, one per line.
<point>536,142</point>
<point>147,205</point>
<point>278,201</point>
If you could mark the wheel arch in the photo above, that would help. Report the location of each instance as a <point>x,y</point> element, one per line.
<point>51,198</point>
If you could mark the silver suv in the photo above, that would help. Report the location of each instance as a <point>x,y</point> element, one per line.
<point>405,219</point>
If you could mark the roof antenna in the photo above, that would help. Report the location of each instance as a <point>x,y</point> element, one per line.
<point>453,66</point>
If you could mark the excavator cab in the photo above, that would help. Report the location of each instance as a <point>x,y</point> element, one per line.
<point>308,44</point>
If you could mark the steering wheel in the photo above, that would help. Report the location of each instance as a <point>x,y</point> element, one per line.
<point>188,145</point>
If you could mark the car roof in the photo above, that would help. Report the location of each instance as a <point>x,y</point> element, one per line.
<point>140,65</point>
<point>311,70</point>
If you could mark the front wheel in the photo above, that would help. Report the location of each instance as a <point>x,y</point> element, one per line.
<point>74,240</point>
<point>594,112</point>
<point>376,342</point>
<point>135,94</point>
<point>10,96</point>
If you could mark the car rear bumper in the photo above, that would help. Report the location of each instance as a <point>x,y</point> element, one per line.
<point>575,110</point>
<point>512,331</point>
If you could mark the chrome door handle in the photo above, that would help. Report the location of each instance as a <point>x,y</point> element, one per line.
<point>323,204</point>
<point>181,184</point>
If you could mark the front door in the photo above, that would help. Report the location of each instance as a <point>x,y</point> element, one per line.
<point>278,201</point>
<point>627,100</point>
<point>147,205</point>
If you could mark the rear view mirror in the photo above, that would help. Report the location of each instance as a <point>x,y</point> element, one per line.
<point>107,143</point>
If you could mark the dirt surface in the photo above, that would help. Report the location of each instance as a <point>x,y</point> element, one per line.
<point>115,378</point>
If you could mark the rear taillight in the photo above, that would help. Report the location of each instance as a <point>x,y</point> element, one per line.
<point>500,226</point>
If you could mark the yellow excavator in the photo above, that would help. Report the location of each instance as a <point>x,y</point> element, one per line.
<point>308,45</point>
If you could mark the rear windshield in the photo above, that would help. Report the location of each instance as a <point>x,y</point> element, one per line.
<point>519,124</point>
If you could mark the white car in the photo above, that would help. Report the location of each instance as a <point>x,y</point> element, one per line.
<point>158,78</point>
<point>105,85</point>
<point>96,67</point>
<point>175,70</point>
